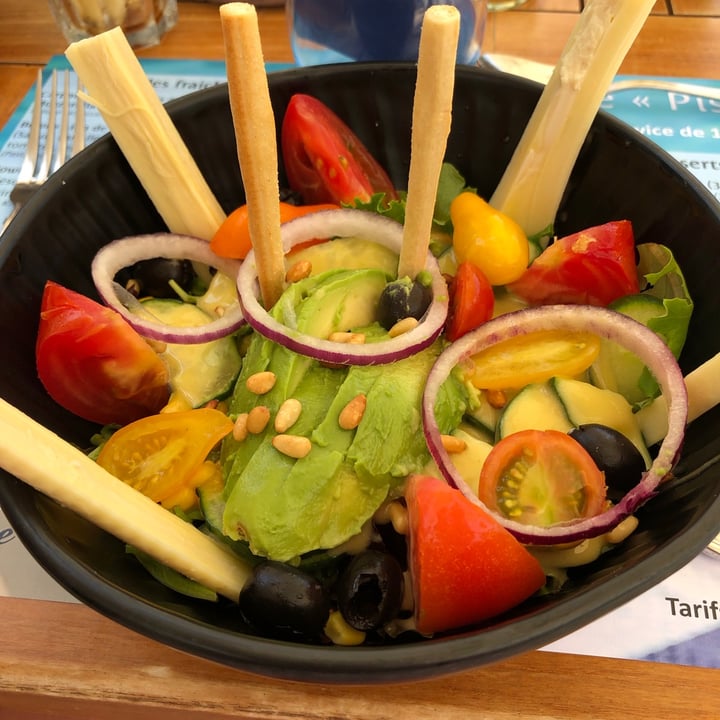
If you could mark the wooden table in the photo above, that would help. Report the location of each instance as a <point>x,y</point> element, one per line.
<point>65,661</point>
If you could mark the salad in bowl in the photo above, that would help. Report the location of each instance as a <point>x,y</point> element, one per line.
<point>375,475</point>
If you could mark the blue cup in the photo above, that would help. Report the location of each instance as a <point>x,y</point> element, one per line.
<point>337,31</point>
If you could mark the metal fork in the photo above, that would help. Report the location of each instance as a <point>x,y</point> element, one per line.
<point>39,164</point>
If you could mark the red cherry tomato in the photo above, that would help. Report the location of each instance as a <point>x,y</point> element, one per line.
<point>591,267</point>
<point>232,238</point>
<point>541,477</point>
<point>324,160</point>
<point>93,363</point>
<point>465,567</point>
<point>471,301</point>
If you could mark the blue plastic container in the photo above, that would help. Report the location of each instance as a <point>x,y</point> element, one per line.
<point>337,31</point>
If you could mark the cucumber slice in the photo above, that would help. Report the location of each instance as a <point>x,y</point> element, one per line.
<point>469,462</point>
<point>585,403</point>
<point>642,307</point>
<point>535,407</point>
<point>620,370</point>
<point>211,497</point>
<point>198,373</point>
<point>484,416</point>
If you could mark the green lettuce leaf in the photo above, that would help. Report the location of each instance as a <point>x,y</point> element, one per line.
<point>666,282</point>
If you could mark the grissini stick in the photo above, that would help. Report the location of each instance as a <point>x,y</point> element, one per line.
<point>431,120</point>
<point>254,124</point>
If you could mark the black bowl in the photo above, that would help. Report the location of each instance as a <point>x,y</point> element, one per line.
<point>96,198</point>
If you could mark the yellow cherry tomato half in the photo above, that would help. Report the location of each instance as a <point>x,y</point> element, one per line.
<point>489,239</point>
<point>534,357</point>
<point>163,456</point>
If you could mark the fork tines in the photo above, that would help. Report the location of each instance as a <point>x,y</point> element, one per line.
<point>39,164</point>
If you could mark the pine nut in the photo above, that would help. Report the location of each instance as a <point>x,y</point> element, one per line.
<point>403,326</point>
<point>258,419</point>
<point>298,271</point>
<point>352,338</point>
<point>453,444</point>
<point>294,446</point>
<point>351,415</point>
<point>261,382</point>
<point>496,398</point>
<point>240,428</point>
<point>287,414</point>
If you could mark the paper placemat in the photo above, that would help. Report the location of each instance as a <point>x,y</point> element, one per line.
<point>677,621</point>
<point>686,126</point>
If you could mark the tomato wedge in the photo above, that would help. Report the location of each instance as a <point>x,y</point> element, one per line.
<point>471,301</point>
<point>232,238</point>
<point>541,477</point>
<point>93,363</point>
<point>591,267</point>
<point>324,159</point>
<point>465,567</point>
<point>163,456</point>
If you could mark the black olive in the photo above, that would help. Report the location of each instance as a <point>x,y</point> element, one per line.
<point>614,454</point>
<point>281,601</point>
<point>403,298</point>
<point>370,590</point>
<point>150,278</point>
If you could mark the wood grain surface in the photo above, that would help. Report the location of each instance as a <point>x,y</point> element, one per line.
<point>59,660</point>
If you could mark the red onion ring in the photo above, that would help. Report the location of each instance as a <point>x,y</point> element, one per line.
<point>607,324</point>
<point>344,223</point>
<point>125,252</point>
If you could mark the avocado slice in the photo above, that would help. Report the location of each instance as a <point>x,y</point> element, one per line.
<point>348,253</point>
<point>286,508</point>
<point>333,301</point>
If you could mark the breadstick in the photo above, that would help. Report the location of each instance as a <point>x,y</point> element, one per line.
<point>432,114</point>
<point>254,124</point>
<point>51,465</point>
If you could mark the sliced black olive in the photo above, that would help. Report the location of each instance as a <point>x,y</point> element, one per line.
<point>370,590</point>
<point>403,298</point>
<point>614,454</point>
<point>151,278</point>
<point>281,601</point>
